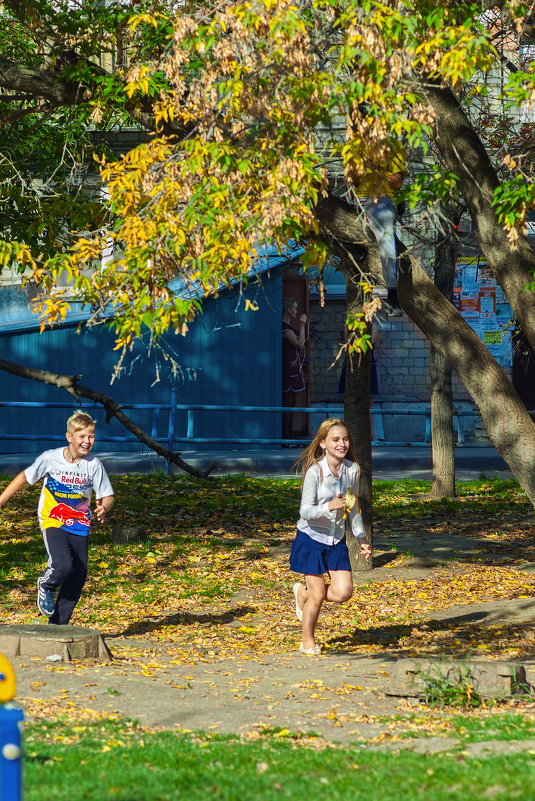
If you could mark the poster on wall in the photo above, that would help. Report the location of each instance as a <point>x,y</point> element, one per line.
<point>482,303</point>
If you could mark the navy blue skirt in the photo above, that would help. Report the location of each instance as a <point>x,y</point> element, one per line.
<point>314,558</point>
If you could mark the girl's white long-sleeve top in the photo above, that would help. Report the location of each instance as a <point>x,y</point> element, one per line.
<point>321,486</point>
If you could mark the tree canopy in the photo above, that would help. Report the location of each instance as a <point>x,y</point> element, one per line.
<point>263,116</point>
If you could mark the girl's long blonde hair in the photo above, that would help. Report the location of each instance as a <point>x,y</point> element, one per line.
<point>313,453</point>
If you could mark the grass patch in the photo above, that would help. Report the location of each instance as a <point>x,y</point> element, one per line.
<point>507,726</point>
<point>118,760</point>
<point>404,499</point>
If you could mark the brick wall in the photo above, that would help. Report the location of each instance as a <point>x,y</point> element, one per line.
<point>402,354</point>
<point>326,335</point>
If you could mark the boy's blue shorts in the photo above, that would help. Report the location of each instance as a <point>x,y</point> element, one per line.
<point>314,558</point>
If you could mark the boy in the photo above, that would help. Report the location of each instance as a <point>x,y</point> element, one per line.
<point>71,475</point>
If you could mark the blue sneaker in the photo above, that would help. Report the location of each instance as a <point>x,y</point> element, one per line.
<point>45,601</point>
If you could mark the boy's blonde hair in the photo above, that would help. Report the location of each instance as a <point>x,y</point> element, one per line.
<point>79,420</point>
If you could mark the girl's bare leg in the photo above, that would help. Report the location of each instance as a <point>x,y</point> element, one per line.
<point>311,598</point>
<point>341,587</point>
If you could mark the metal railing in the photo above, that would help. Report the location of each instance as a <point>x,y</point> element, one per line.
<point>171,437</point>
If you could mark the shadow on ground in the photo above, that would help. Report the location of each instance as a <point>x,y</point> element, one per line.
<point>183,619</point>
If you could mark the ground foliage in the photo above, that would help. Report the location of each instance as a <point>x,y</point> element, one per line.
<point>213,581</point>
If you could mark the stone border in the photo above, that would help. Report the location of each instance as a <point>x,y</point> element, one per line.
<point>53,642</point>
<point>488,679</point>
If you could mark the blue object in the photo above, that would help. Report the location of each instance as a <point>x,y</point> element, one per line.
<point>11,718</point>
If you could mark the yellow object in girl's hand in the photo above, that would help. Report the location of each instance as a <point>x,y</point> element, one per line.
<point>351,500</point>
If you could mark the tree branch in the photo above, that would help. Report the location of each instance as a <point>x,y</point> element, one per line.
<point>36,82</point>
<point>341,223</point>
<point>13,118</point>
<point>39,83</point>
<point>113,409</point>
<point>66,382</point>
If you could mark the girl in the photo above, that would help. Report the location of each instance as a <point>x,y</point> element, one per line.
<point>319,546</point>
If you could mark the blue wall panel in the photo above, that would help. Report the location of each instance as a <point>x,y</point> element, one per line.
<point>229,356</point>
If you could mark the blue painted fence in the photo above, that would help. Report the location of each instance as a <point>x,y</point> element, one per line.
<point>230,356</point>
<point>191,412</point>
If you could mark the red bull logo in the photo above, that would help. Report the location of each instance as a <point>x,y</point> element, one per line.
<point>68,515</point>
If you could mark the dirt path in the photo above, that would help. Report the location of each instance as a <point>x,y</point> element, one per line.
<point>336,696</point>
<point>339,697</point>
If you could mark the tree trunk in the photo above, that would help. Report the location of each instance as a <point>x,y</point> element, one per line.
<point>357,417</point>
<point>508,423</point>
<point>441,390</point>
<point>509,426</point>
<point>443,451</point>
<point>342,227</point>
<point>464,154</point>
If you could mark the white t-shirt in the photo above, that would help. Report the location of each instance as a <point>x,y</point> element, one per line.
<point>67,489</point>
